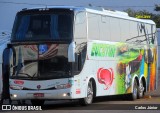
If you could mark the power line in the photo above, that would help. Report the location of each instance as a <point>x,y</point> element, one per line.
<point>20,3</point>
<point>50,4</point>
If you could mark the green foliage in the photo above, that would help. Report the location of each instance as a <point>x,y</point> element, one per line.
<point>156,19</point>
<point>157,7</point>
<point>144,13</point>
<point>133,13</point>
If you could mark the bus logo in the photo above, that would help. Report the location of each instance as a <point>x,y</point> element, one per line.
<point>105,76</point>
<point>38,86</point>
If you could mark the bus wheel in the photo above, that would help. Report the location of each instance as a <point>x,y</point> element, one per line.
<point>37,102</point>
<point>141,90</point>
<point>134,94</point>
<point>88,100</point>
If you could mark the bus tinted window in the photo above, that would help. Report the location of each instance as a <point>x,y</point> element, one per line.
<point>42,27</point>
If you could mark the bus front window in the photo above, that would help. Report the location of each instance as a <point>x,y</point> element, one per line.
<point>42,27</point>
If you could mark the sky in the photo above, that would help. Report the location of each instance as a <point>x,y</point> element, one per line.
<point>8,8</point>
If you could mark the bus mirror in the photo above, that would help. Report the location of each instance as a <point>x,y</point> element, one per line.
<point>71,52</point>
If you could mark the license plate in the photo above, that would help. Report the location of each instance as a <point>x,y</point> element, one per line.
<point>38,94</point>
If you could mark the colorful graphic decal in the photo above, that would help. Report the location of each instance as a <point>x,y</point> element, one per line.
<point>30,52</point>
<point>103,50</point>
<point>47,51</point>
<point>128,66</point>
<point>32,47</point>
<point>152,70</point>
<point>43,48</point>
<point>131,61</point>
<point>30,61</point>
<point>105,76</point>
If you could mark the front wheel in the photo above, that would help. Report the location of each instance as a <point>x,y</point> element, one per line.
<point>88,100</point>
<point>134,94</point>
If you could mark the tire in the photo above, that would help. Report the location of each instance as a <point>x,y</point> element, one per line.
<point>89,99</point>
<point>140,90</point>
<point>134,94</point>
<point>37,102</point>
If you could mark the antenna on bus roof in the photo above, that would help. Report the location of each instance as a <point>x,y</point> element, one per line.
<point>108,9</point>
<point>90,5</point>
<point>24,9</point>
<point>46,8</point>
<point>95,7</point>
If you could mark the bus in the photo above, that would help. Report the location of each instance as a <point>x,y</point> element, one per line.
<point>79,53</point>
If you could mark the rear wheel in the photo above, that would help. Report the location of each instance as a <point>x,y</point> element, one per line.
<point>38,102</point>
<point>141,90</point>
<point>88,100</point>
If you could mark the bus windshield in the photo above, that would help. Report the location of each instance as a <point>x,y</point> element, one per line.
<point>57,67</point>
<point>42,27</point>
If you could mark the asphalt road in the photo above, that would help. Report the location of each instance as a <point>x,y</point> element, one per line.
<point>103,104</point>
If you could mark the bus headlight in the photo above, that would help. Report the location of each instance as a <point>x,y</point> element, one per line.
<point>15,95</point>
<point>64,94</point>
<point>16,87</point>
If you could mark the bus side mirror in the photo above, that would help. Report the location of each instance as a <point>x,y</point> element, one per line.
<point>71,52</point>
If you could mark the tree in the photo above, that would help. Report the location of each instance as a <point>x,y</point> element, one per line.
<point>157,7</point>
<point>143,14</point>
<point>134,13</point>
<point>157,17</point>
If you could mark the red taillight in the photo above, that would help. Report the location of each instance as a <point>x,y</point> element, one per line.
<point>20,82</point>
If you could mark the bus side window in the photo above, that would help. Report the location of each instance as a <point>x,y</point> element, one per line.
<point>115,29</point>
<point>104,28</point>
<point>80,26</point>
<point>93,26</point>
<point>125,32</point>
<point>79,61</point>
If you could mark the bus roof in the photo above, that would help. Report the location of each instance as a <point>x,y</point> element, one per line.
<point>97,10</point>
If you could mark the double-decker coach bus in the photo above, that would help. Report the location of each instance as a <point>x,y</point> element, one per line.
<point>64,52</point>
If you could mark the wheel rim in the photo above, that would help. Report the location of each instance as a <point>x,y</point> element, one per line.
<point>141,89</point>
<point>135,91</point>
<point>89,93</point>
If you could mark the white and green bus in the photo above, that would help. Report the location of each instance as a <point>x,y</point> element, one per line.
<point>66,52</point>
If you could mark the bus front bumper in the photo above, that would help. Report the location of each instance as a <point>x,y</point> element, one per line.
<point>41,94</point>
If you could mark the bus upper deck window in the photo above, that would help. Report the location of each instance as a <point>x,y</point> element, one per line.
<point>43,27</point>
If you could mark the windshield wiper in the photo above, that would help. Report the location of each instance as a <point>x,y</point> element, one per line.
<point>28,76</point>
